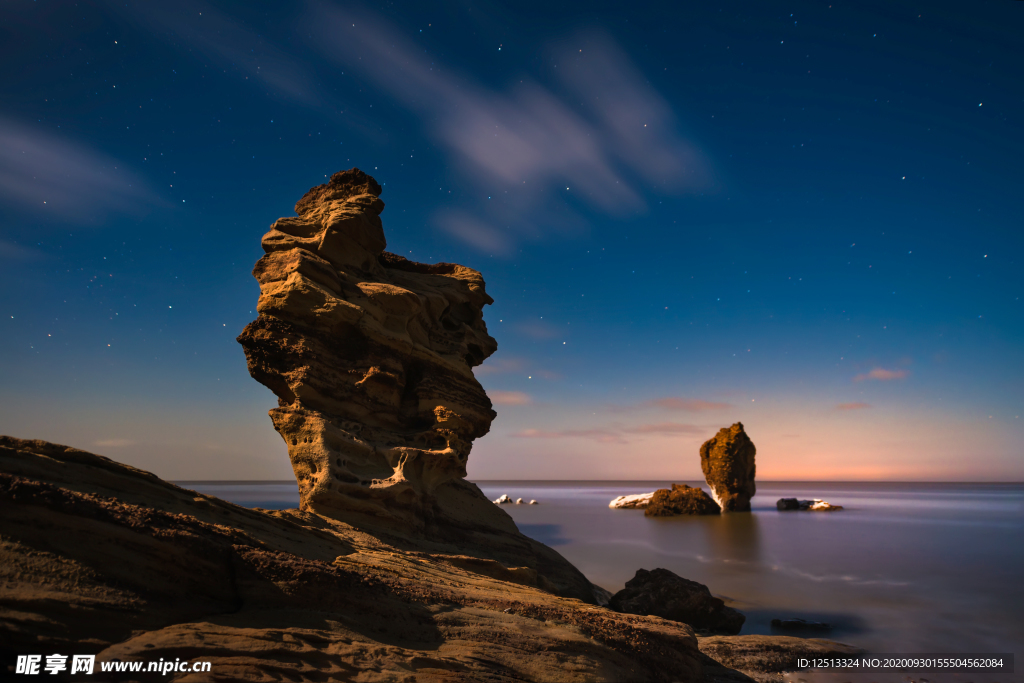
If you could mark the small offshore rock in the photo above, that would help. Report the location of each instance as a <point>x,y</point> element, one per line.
<point>670,596</point>
<point>727,460</point>
<point>533,502</point>
<point>503,500</point>
<point>519,501</point>
<point>681,500</point>
<point>800,625</point>
<point>816,505</point>
<point>637,500</point>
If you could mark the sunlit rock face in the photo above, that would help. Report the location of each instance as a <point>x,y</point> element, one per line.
<point>727,460</point>
<point>369,354</point>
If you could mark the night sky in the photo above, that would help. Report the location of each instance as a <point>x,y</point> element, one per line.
<point>803,216</point>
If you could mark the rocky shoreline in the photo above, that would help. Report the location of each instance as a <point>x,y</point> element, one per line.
<point>394,567</point>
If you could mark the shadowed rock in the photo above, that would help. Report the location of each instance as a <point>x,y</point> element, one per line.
<point>665,594</point>
<point>727,460</point>
<point>681,500</point>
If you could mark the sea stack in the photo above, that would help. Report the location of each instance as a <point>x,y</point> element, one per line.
<point>370,356</point>
<point>727,460</point>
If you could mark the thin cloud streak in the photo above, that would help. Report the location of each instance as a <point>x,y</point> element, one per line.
<point>9,251</point>
<point>665,428</point>
<point>57,178</point>
<point>228,43</point>
<point>599,435</point>
<point>883,375</point>
<point>612,434</point>
<point>853,406</point>
<point>510,398</point>
<point>674,403</point>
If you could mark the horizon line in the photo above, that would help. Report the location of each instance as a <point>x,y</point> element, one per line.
<point>630,481</point>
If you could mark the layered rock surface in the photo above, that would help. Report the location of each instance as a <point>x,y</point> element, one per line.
<point>101,558</point>
<point>727,460</point>
<point>371,357</point>
<point>680,500</point>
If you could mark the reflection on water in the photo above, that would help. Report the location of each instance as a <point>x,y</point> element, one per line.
<point>903,568</point>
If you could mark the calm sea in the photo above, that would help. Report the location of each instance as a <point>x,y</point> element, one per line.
<point>904,568</point>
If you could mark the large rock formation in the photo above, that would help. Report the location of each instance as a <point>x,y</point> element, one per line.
<point>665,594</point>
<point>681,500</point>
<point>727,460</point>
<point>371,357</point>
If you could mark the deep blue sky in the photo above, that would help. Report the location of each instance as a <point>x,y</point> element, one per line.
<point>802,215</point>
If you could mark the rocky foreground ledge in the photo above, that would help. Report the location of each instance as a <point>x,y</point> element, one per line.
<point>98,557</point>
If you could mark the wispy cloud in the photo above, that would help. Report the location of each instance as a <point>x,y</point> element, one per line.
<point>474,232</point>
<point>882,374</point>
<point>9,251</point>
<point>593,137</point>
<point>600,435</point>
<point>55,177</point>
<point>614,434</point>
<point>665,428</point>
<point>510,398</point>
<point>227,42</point>
<point>853,406</point>
<point>538,329</point>
<point>500,366</point>
<point>674,403</point>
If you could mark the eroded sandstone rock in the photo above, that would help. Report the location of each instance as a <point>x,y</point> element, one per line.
<point>665,594</point>
<point>727,460</point>
<point>370,355</point>
<point>681,500</point>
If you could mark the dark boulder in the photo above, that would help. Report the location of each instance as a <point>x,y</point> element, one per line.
<point>788,504</point>
<point>667,595</point>
<point>681,500</point>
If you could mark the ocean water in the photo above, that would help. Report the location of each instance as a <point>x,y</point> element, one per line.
<point>904,568</point>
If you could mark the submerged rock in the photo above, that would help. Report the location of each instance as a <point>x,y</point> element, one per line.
<point>727,460</point>
<point>664,594</point>
<point>637,500</point>
<point>681,500</point>
<point>817,505</point>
